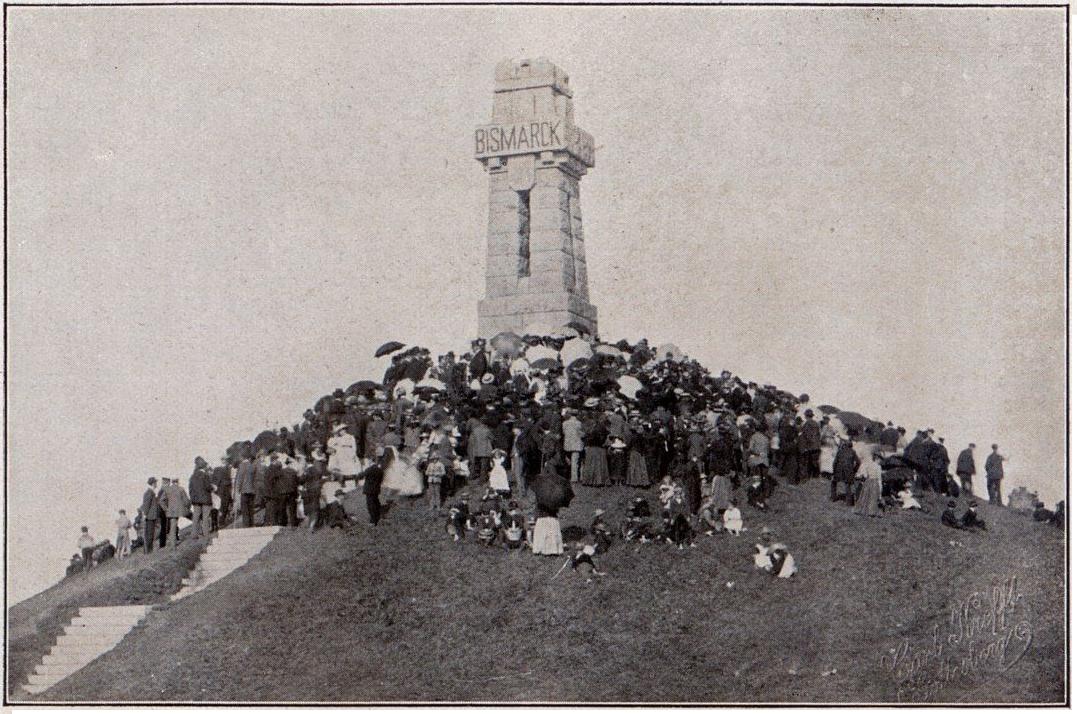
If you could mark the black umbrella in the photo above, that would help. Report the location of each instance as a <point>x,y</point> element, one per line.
<point>827,409</point>
<point>268,440</point>
<point>552,492</point>
<point>388,348</point>
<point>363,386</point>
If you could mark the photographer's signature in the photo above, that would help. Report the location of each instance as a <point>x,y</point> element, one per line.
<point>988,633</point>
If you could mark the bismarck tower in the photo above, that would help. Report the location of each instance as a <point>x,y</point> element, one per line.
<point>535,155</point>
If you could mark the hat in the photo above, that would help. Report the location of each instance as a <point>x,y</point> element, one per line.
<point>199,461</point>
<point>972,446</point>
<point>340,426</point>
<point>994,446</point>
<point>487,378</point>
<point>809,413</point>
<point>152,481</point>
<point>591,402</point>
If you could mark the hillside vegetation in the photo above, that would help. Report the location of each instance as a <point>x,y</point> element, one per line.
<point>401,613</point>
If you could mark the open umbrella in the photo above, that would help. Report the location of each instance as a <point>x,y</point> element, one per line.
<point>565,331</point>
<point>827,409</point>
<point>574,350</point>
<point>431,383</point>
<point>507,343</point>
<point>552,492</point>
<point>363,386</point>
<point>544,363</point>
<point>629,386</point>
<point>669,351</point>
<point>388,348</point>
<point>538,352</point>
<point>609,350</point>
<point>267,440</point>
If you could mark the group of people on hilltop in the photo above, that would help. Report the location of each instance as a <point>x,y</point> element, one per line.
<point>515,430</point>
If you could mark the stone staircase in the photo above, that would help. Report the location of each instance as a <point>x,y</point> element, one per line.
<point>231,549</point>
<point>95,631</point>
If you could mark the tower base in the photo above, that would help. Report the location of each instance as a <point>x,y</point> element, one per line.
<point>517,312</point>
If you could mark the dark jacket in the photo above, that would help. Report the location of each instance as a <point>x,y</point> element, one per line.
<point>993,467</point>
<point>372,478</point>
<point>222,481</point>
<point>809,438</point>
<point>245,478</point>
<point>287,482</point>
<point>889,437</point>
<point>199,489</point>
<point>149,504</point>
<point>273,474</point>
<point>846,463</point>
<point>965,462</point>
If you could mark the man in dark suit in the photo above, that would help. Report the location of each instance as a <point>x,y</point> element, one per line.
<point>222,486</point>
<point>809,444</point>
<point>149,510</point>
<point>372,478</point>
<point>966,469</point>
<point>273,474</point>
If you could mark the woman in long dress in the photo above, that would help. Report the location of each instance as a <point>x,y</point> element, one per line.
<point>595,471</point>
<point>867,503</point>
<point>637,462</point>
<point>401,478</point>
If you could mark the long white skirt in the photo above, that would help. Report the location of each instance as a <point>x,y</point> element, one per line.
<point>547,537</point>
<point>402,478</point>
<point>826,459</point>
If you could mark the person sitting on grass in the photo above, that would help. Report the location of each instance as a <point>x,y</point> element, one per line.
<point>583,563</point>
<point>86,544</point>
<point>708,517</point>
<point>334,515</point>
<point>601,532</point>
<point>459,522</point>
<point>514,528</point>
<point>757,497</point>
<point>731,519</point>
<point>489,528</point>
<point>971,519</point>
<point>949,518</point>
<point>907,500</point>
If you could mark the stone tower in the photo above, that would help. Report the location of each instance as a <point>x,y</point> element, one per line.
<point>535,155</point>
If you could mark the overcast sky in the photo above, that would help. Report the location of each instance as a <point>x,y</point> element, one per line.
<point>217,214</point>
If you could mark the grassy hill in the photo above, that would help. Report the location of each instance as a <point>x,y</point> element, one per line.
<point>401,613</point>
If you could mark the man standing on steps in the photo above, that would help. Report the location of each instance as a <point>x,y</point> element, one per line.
<point>372,478</point>
<point>245,490</point>
<point>201,494</point>
<point>993,469</point>
<point>966,469</point>
<point>149,514</point>
<point>286,487</point>
<point>176,503</point>
<point>162,516</point>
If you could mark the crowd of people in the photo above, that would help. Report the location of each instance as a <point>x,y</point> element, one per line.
<point>497,440</point>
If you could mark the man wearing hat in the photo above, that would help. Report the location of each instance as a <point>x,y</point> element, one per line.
<point>966,469</point>
<point>149,514</point>
<point>572,442</point>
<point>809,444</point>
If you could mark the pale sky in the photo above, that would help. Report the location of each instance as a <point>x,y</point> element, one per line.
<point>217,214</point>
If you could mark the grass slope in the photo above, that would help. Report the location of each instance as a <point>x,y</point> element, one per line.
<point>400,613</point>
<point>35,623</point>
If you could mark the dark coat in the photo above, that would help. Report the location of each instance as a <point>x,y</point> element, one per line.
<point>222,481</point>
<point>372,478</point>
<point>993,466</point>
<point>965,463</point>
<point>149,504</point>
<point>273,474</point>
<point>809,438</point>
<point>287,482</point>
<point>199,488</point>
<point>245,478</point>
<point>846,463</point>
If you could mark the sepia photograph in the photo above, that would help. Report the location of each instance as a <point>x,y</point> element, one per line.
<point>547,354</point>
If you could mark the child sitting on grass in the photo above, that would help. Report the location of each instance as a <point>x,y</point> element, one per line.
<point>731,519</point>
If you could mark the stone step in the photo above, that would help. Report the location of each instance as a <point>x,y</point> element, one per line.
<point>62,670</point>
<point>35,688</point>
<point>119,621</point>
<point>104,629</point>
<point>229,533</point>
<point>72,657</point>
<point>113,609</point>
<point>46,680</point>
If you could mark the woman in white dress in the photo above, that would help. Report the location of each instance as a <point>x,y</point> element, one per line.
<point>499,477</point>
<point>401,478</point>
<point>343,459</point>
